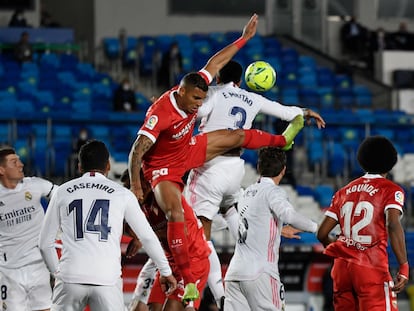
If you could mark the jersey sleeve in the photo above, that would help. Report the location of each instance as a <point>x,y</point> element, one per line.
<point>273,108</point>
<point>47,187</point>
<point>139,224</point>
<point>48,234</point>
<point>208,103</point>
<point>283,209</point>
<point>395,199</point>
<point>155,122</point>
<point>206,75</point>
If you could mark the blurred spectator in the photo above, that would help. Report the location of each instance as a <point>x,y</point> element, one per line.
<point>171,66</point>
<point>78,142</point>
<point>18,19</point>
<point>402,39</point>
<point>124,97</point>
<point>379,41</point>
<point>47,21</point>
<point>353,38</point>
<point>23,50</point>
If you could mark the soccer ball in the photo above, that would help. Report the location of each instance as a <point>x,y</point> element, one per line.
<point>260,76</point>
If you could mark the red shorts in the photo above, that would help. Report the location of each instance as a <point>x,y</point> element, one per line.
<point>174,173</point>
<point>359,287</point>
<point>200,270</point>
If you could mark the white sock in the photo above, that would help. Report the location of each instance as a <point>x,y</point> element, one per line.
<point>232,218</point>
<point>215,280</point>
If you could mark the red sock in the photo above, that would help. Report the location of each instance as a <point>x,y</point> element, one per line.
<point>255,139</point>
<point>177,241</point>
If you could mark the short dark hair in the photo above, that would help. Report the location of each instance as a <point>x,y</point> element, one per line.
<point>194,79</point>
<point>377,155</point>
<point>93,155</point>
<point>4,152</point>
<point>271,161</point>
<point>231,72</point>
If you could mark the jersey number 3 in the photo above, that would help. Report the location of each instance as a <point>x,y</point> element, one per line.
<point>96,221</point>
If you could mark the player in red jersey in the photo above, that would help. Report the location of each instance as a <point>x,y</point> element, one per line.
<point>368,211</point>
<point>199,252</point>
<point>166,149</point>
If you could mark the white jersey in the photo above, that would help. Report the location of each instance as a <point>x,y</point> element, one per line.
<point>21,217</point>
<point>227,107</point>
<point>230,107</point>
<point>263,209</point>
<point>90,211</point>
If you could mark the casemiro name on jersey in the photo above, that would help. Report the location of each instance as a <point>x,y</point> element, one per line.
<point>89,185</point>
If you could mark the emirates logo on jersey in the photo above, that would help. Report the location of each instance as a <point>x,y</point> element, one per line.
<point>28,196</point>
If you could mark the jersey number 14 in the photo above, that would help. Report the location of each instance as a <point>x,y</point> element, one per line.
<point>96,221</point>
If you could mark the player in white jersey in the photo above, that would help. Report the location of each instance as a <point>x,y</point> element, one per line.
<point>24,278</point>
<point>217,184</point>
<point>263,209</point>
<point>89,211</point>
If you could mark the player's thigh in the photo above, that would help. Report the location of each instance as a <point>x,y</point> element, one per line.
<point>374,290</point>
<point>107,298</point>
<point>69,296</point>
<point>218,179</point>
<point>221,141</point>
<point>344,297</point>
<point>12,292</point>
<point>264,293</point>
<point>234,298</point>
<point>40,291</point>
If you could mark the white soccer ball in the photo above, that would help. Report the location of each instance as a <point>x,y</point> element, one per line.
<point>260,76</point>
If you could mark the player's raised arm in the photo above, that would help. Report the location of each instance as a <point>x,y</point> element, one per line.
<point>218,60</point>
<point>141,145</point>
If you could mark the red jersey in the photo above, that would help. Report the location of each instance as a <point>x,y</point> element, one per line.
<point>171,130</point>
<point>360,208</point>
<point>198,247</point>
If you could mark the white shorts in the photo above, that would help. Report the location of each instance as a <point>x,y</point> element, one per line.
<point>145,281</point>
<point>25,288</point>
<point>215,184</point>
<point>75,297</point>
<point>264,293</point>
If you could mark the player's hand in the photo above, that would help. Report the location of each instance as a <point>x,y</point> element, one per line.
<point>139,193</point>
<point>400,283</point>
<point>310,114</point>
<point>250,29</point>
<point>289,232</point>
<point>168,284</point>
<point>133,247</point>
<point>190,293</point>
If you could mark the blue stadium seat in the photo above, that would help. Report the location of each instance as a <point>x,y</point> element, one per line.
<point>344,98</point>
<point>309,97</point>
<point>112,48</point>
<point>163,42</point>
<point>323,194</point>
<point>337,160</point>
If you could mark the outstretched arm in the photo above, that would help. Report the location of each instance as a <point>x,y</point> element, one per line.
<point>141,145</point>
<point>218,60</point>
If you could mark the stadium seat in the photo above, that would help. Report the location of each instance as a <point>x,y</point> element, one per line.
<point>323,194</point>
<point>112,48</point>
<point>337,159</point>
<point>344,98</point>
